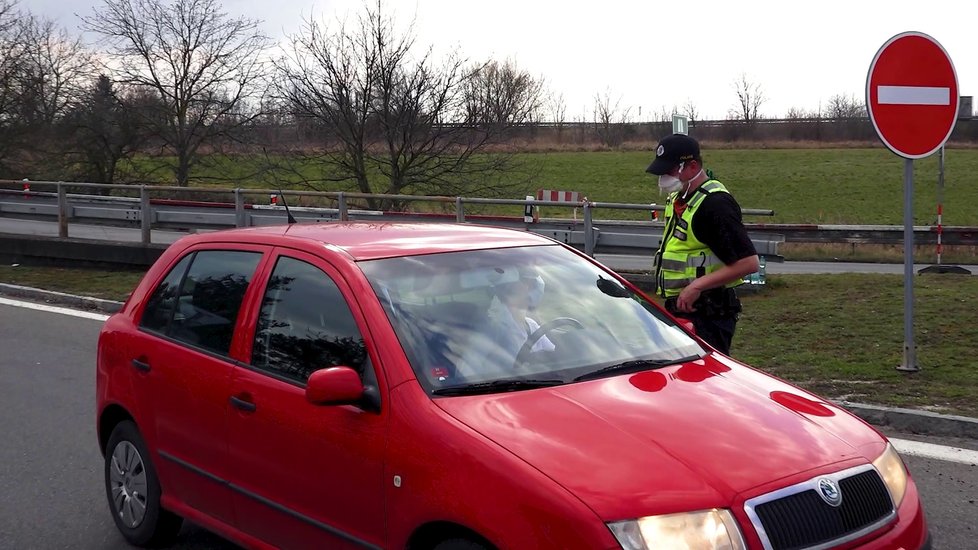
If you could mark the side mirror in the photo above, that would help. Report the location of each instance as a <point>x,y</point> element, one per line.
<point>334,386</point>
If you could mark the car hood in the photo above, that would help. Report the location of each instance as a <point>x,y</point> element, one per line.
<point>685,437</point>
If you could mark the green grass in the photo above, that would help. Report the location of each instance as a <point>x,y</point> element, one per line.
<point>829,186</point>
<point>840,336</point>
<point>96,283</point>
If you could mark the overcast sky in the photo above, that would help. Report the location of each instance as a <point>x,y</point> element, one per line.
<point>653,55</point>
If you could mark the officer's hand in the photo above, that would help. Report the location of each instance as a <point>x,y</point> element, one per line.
<point>687,298</point>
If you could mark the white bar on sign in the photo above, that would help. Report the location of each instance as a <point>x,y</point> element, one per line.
<point>913,95</point>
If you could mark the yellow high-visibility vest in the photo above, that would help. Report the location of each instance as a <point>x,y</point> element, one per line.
<point>682,257</point>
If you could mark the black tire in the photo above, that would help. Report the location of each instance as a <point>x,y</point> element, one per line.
<point>133,490</point>
<point>461,544</point>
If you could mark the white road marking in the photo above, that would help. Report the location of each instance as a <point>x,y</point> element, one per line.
<point>938,452</point>
<point>913,95</point>
<point>54,309</point>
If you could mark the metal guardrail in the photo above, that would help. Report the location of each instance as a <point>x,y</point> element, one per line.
<point>588,234</point>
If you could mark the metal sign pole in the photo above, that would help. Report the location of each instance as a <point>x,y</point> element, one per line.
<point>940,202</point>
<point>909,349</point>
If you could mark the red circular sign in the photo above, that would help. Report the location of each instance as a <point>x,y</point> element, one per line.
<point>912,95</point>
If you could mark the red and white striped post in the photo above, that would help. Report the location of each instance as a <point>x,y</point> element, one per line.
<point>939,267</point>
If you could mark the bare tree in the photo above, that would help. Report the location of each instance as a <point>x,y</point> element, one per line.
<point>557,112</point>
<point>201,64</point>
<point>750,97</point>
<point>501,94</point>
<point>12,62</point>
<point>610,118</point>
<point>845,106</point>
<point>664,114</point>
<point>382,109</point>
<point>557,108</point>
<point>689,109</point>
<point>56,69</point>
<point>107,129</point>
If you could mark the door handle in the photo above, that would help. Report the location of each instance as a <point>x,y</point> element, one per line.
<point>246,406</point>
<point>141,365</point>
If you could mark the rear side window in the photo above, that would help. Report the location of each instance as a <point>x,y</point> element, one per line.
<point>163,301</point>
<point>204,309</point>
<point>305,324</point>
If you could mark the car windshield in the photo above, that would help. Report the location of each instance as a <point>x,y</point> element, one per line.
<point>517,318</point>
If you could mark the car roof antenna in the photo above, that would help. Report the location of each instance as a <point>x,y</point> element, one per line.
<point>285,203</point>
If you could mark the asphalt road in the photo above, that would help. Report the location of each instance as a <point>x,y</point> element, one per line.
<point>51,484</point>
<point>51,489</point>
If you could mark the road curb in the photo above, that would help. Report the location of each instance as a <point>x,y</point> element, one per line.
<point>915,421</point>
<point>60,298</point>
<point>903,420</point>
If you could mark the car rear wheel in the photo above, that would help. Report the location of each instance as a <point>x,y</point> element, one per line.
<point>133,490</point>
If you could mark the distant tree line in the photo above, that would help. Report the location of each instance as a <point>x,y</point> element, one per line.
<point>353,104</point>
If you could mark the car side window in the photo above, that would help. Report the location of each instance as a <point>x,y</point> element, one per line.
<point>204,310</point>
<point>305,325</point>
<point>162,303</point>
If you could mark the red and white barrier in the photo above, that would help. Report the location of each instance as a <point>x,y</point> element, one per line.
<point>558,196</point>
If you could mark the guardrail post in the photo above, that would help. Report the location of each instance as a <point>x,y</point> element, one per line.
<point>459,210</point>
<point>239,213</point>
<point>344,214</point>
<point>62,211</point>
<point>589,240</point>
<point>145,215</point>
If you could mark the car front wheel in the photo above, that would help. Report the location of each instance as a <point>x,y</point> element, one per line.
<point>133,490</point>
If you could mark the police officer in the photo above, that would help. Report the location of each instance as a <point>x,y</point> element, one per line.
<point>705,250</point>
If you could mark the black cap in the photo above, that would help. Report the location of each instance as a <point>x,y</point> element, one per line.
<point>671,151</point>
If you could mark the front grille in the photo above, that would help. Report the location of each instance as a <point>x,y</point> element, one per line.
<point>798,517</point>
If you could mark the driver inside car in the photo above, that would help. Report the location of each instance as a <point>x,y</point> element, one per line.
<point>509,314</point>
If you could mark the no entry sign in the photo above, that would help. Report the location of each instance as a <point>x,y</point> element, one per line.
<point>912,95</point>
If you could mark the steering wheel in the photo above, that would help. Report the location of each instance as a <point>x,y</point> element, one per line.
<point>536,335</point>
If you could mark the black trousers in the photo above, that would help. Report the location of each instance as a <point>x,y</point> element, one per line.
<point>714,322</point>
<point>717,332</point>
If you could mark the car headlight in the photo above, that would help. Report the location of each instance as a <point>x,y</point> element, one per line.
<point>894,473</point>
<point>715,529</point>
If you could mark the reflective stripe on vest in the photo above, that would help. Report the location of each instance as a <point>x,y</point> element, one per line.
<point>682,257</point>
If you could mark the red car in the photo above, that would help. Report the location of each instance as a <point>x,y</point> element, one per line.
<point>434,386</point>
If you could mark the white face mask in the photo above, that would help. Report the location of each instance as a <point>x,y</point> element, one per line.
<point>669,184</point>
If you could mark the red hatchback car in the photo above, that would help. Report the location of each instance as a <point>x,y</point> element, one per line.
<point>435,386</point>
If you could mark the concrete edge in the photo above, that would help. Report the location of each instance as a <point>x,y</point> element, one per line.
<point>60,298</point>
<point>903,420</point>
<point>915,421</point>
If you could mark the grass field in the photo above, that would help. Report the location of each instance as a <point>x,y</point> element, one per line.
<point>828,186</point>
<point>838,335</point>
<point>842,337</point>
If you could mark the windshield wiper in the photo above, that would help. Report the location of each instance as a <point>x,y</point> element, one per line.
<point>633,366</point>
<point>496,386</point>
